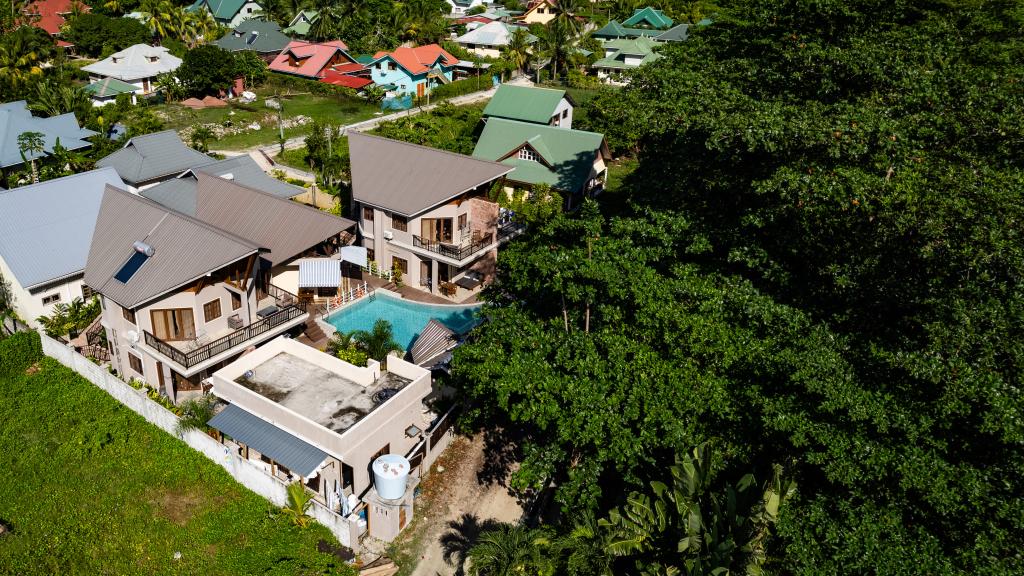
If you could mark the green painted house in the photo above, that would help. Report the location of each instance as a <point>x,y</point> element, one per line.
<point>228,13</point>
<point>545,106</point>
<point>570,161</point>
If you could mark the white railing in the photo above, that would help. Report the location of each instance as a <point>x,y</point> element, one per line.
<point>375,270</point>
<point>345,297</point>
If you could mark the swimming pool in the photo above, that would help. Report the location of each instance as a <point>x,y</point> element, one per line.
<point>407,318</point>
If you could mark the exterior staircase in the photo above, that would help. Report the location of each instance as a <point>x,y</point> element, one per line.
<point>314,332</point>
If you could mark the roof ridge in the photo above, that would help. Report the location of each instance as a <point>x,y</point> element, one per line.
<point>52,180</point>
<point>267,194</point>
<point>552,129</point>
<point>438,150</point>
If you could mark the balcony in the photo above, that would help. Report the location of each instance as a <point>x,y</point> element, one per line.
<point>196,356</point>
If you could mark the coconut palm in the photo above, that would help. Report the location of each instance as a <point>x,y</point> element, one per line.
<point>517,51</point>
<point>52,98</point>
<point>558,44</point>
<point>31,145</point>
<point>21,57</point>
<point>507,550</point>
<point>379,342</point>
<point>339,341</point>
<point>299,502</point>
<point>569,16</point>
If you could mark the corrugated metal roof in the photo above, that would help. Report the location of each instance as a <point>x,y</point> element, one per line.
<point>491,34</point>
<point>180,193</point>
<point>109,87</point>
<point>434,340</point>
<point>15,120</point>
<point>319,273</point>
<point>153,156</point>
<point>135,62</point>
<point>294,454</point>
<point>255,35</point>
<point>45,228</point>
<point>185,248</point>
<point>524,103</point>
<point>408,178</point>
<point>285,228</point>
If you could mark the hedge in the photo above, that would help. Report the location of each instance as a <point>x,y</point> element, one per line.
<point>19,351</point>
<point>461,87</point>
<point>311,86</point>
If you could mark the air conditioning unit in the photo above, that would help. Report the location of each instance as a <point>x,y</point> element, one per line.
<point>388,235</point>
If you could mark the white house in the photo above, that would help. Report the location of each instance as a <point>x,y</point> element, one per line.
<point>138,65</point>
<point>460,7</point>
<point>45,230</point>
<point>489,39</point>
<point>228,13</point>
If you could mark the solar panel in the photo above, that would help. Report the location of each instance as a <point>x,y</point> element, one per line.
<point>130,267</point>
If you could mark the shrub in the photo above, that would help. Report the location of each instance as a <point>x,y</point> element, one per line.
<point>353,356</point>
<point>19,351</point>
<point>312,86</point>
<point>460,87</point>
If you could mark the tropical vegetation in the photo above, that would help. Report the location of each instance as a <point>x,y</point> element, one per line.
<point>70,318</point>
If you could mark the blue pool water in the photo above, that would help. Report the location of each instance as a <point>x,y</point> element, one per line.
<point>407,318</point>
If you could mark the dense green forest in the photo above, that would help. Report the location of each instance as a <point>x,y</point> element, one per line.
<point>817,274</point>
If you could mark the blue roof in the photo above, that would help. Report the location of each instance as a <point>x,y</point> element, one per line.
<point>15,119</point>
<point>280,446</point>
<point>46,228</point>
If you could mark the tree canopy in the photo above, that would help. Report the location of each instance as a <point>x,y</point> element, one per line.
<point>98,35</point>
<point>820,266</point>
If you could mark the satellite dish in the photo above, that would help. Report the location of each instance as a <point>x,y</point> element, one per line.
<point>132,336</point>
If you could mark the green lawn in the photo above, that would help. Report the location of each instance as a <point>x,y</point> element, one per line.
<point>89,487</point>
<point>337,110</point>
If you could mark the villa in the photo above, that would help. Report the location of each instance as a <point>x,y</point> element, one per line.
<point>624,54</point>
<point>138,65</point>
<point>228,13</point>
<point>45,231</point>
<point>16,119</point>
<point>150,159</point>
<point>539,12</point>
<point>412,70</point>
<point>428,213</point>
<point>489,39</point>
<point>184,295</point>
<point>264,38</point>
<point>545,106</point>
<point>648,22</point>
<point>311,60</point>
<point>572,162</point>
<point>301,23</point>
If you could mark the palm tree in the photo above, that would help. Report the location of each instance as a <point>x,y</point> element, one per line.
<point>558,44</point>
<point>21,58</point>
<point>517,51</point>
<point>379,342</point>
<point>201,137</point>
<point>339,341</point>
<point>299,502</point>
<point>31,145</point>
<point>53,99</point>
<point>507,550</point>
<point>195,413</point>
<point>568,16</point>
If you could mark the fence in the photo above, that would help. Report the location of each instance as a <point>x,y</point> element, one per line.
<point>241,470</point>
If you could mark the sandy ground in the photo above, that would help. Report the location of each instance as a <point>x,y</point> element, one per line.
<point>458,493</point>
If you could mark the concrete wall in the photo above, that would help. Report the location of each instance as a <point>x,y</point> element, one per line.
<point>563,106</point>
<point>243,471</point>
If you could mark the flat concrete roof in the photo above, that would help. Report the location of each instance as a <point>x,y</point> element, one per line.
<point>321,395</point>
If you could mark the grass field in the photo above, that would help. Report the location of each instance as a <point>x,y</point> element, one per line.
<point>89,487</point>
<point>337,110</point>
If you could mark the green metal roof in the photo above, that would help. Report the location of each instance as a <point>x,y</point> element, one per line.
<point>109,87</point>
<point>524,103</point>
<point>651,16</point>
<point>221,9</point>
<point>614,30</point>
<point>365,58</point>
<point>568,154</point>
<point>301,23</point>
<point>632,46</point>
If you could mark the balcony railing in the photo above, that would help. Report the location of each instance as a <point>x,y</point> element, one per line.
<point>451,250</point>
<point>224,343</point>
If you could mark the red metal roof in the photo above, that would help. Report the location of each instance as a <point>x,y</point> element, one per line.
<point>354,82</point>
<point>348,68</point>
<point>420,59</point>
<point>311,58</point>
<point>51,13</point>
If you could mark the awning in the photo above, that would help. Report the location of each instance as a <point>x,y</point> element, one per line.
<point>433,341</point>
<point>354,254</point>
<point>319,273</point>
<point>281,447</point>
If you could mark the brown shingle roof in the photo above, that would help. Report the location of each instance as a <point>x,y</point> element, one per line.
<point>185,248</point>
<point>408,178</point>
<point>285,228</point>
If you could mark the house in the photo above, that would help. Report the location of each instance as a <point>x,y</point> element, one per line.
<point>311,60</point>
<point>489,39</point>
<point>412,70</point>
<point>624,54</point>
<point>460,7</point>
<point>228,13</point>
<point>180,193</point>
<point>16,119</point>
<point>301,23</point>
<point>306,416</point>
<point>539,12</point>
<point>570,161</point>
<point>106,91</point>
<point>51,15</point>
<point>138,65</point>
<point>354,75</point>
<point>545,106</point>
<point>183,295</point>
<point>148,160</point>
<point>45,231</point>
<point>677,33</point>
<point>427,213</point>
<point>263,38</point>
<point>647,21</point>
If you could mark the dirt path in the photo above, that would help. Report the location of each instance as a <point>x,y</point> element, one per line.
<point>454,494</point>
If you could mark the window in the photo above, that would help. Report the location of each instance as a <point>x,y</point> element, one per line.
<point>399,223</point>
<point>51,299</point>
<point>129,315</point>
<point>392,66</point>
<point>236,301</point>
<point>173,324</point>
<point>131,267</point>
<point>367,214</point>
<point>248,10</point>
<point>463,221</point>
<point>401,263</point>
<point>565,113</point>
<point>87,293</point>
<point>211,310</point>
<point>370,256</point>
<point>527,154</point>
<point>135,362</point>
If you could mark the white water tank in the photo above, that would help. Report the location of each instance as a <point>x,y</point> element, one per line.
<point>390,475</point>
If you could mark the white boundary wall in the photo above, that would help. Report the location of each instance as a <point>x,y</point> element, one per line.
<point>246,473</point>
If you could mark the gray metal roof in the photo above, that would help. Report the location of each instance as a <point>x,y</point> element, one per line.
<point>256,35</point>
<point>185,248</point>
<point>152,156</point>
<point>45,228</point>
<point>285,228</point>
<point>294,454</point>
<point>408,178</point>
<point>15,120</point>
<point>433,341</point>
<point>180,193</point>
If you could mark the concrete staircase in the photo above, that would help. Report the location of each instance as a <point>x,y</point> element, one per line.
<point>314,332</point>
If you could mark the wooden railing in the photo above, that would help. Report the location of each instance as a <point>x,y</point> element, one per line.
<point>225,343</point>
